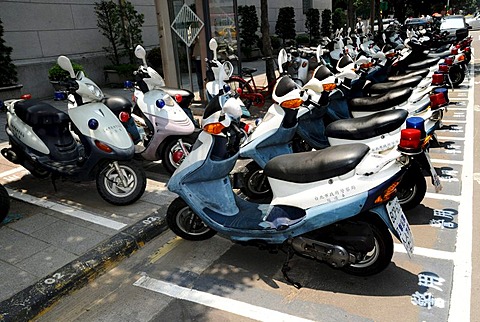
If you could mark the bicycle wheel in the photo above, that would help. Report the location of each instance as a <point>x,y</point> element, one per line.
<point>248,95</point>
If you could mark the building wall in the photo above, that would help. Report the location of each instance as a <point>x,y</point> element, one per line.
<point>41,30</point>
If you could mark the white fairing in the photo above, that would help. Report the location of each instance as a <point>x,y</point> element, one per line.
<point>270,123</point>
<point>232,108</point>
<point>307,195</point>
<point>376,144</point>
<point>25,133</point>
<point>155,81</point>
<point>109,131</point>
<point>88,90</point>
<point>147,103</point>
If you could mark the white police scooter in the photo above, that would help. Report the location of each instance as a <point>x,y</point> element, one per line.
<point>336,205</point>
<point>88,143</point>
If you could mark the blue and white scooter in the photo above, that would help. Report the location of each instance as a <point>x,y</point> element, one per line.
<point>335,205</point>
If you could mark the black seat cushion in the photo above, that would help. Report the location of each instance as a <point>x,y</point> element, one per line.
<point>366,127</point>
<point>380,88</point>
<point>380,102</point>
<point>118,104</point>
<point>424,63</point>
<point>316,165</point>
<point>35,113</point>
<point>248,70</point>
<point>421,72</point>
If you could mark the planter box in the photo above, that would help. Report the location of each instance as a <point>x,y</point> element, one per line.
<point>113,78</point>
<point>10,92</point>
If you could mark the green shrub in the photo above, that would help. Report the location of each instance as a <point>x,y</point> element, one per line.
<point>122,69</point>
<point>56,73</point>
<point>154,59</point>
<point>302,40</point>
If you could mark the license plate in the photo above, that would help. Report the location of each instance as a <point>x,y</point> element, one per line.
<point>435,178</point>
<point>400,224</point>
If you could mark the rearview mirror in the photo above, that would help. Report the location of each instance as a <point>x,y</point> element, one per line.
<point>66,65</point>
<point>141,54</point>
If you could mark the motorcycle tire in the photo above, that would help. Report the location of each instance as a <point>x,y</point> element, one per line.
<point>377,259</point>
<point>412,188</point>
<point>4,203</point>
<point>111,188</point>
<point>168,154</point>
<point>457,76</point>
<point>255,183</point>
<point>185,223</point>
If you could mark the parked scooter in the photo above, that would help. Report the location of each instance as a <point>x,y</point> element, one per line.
<point>167,133</point>
<point>336,205</point>
<point>88,143</point>
<point>4,203</point>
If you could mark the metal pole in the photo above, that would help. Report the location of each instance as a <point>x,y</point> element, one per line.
<point>239,60</point>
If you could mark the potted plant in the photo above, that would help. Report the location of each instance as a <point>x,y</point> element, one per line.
<point>57,74</point>
<point>121,25</point>
<point>9,88</point>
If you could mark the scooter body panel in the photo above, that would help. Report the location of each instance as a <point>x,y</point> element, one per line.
<point>110,130</point>
<point>24,133</point>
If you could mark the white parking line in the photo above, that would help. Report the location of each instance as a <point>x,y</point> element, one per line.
<point>441,196</point>
<point>426,252</point>
<point>451,138</point>
<point>458,162</point>
<point>214,301</point>
<point>454,121</point>
<point>12,171</point>
<point>460,299</point>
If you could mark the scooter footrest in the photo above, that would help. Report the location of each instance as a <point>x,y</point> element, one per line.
<point>281,217</point>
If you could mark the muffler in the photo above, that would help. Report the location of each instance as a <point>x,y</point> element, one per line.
<point>10,155</point>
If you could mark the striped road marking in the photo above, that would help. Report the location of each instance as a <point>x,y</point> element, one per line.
<point>214,301</point>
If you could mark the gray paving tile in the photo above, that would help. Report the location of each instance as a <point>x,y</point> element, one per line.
<point>33,223</point>
<point>17,280</point>
<point>46,261</point>
<point>72,238</point>
<point>16,246</point>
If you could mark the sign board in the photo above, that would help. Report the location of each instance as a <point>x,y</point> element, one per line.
<point>187,25</point>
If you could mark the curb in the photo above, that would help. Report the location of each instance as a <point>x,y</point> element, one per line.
<point>36,298</point>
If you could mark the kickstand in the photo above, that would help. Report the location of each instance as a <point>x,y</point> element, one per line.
<point>54,185</point>
<point>286,268</point>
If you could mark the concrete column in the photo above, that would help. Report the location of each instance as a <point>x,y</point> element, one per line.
<point>166,43</point>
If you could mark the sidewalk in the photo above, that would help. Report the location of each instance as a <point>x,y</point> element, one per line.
<point>54,242</point>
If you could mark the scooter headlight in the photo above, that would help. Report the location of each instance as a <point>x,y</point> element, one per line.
<point>95,91</point>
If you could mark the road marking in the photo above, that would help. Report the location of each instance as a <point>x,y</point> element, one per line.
<point>66,210</point>
<point>462,99</point>
<point>426,252</point>
<point>165,249</point>
<point>451,138</point>
<point>458,162</point>
<point>454,121</point>
<point>12,171</point>
<point>460,298</point>
<point>214,301</point>
<point>441,196</point>
<point>456,109</point>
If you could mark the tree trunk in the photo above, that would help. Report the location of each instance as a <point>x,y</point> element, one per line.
<point>372,16</point>
<point>267,45</point>
<point>350,15</point>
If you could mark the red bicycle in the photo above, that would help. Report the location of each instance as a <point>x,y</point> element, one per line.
<point>251,92</point>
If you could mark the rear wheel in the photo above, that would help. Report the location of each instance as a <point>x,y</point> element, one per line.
<point>412,188</point>
<point>457,75</point>
<point>255,183</point>
<point>4,203</point>
<point>378,258</point>
<point>185,223</point>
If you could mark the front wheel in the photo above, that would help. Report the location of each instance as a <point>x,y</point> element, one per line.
<point>185,223</point>
<point>120,192</point>
<point>412,188</point>
<point>176,151</point>
<point>4,203</point>
<point>255,183</point>
<point>378,258</point>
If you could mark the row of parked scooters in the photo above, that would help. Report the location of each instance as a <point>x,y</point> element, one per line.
<point>328,159</point>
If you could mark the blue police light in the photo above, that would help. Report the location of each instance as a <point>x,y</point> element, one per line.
<point>226,88</point>
<point>416,122</point>
<point>160,103</point>
<point>128,84</point>
<point>258,121</point>
<point>93,124</point>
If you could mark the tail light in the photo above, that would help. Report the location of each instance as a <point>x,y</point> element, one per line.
<point>178,98</point>
<point>239,91</point>
<point>449,61</point>
<point>443,68</point>
<point>467,49</point>
<point>26,96</point>
<point>410,140</point>
<point>437,100</point>
<point>437,79</point>
<point>102,146</point>
<point>123,117</point>
<point>454,51</point>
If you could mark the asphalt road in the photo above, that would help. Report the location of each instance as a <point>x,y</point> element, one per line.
<point>171,279</point>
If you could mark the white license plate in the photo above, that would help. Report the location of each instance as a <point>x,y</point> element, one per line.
<point>435,178</point>
<point>400,224</point>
